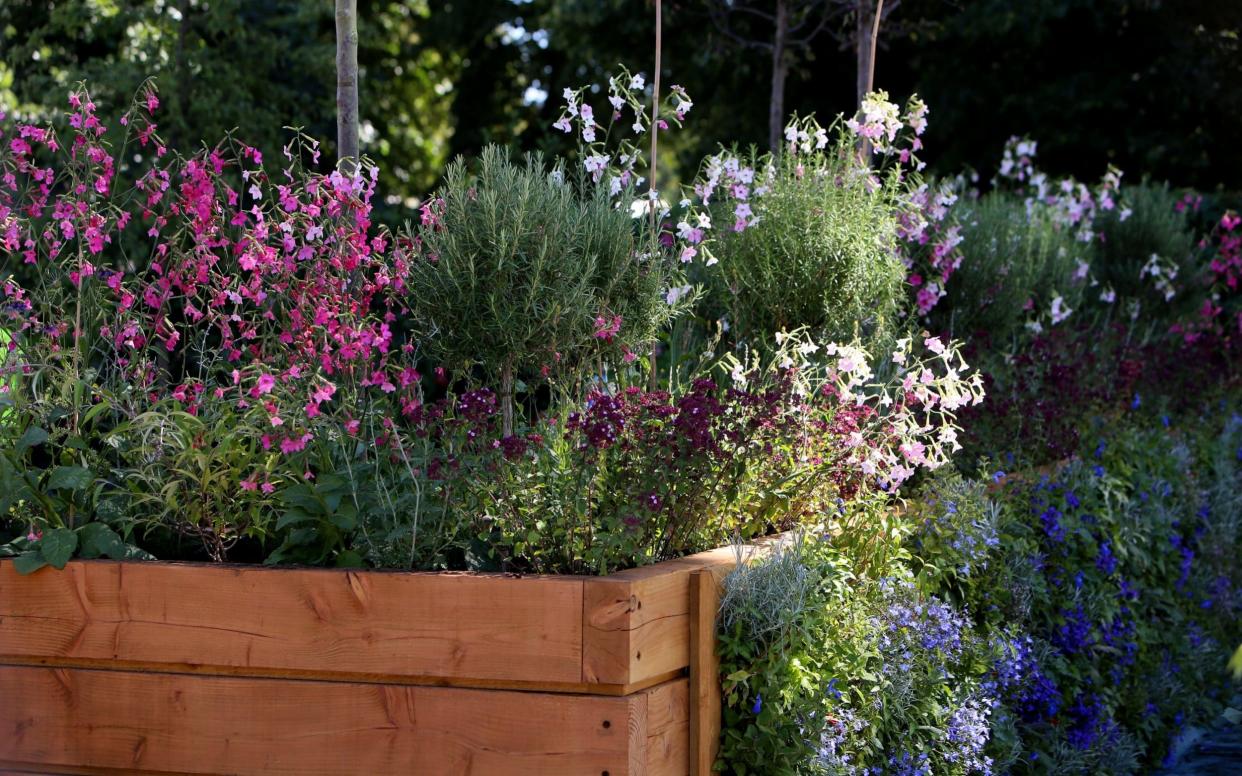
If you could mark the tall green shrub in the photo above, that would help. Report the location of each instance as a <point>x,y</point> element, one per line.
<point>821,254</point>
<point>1016,262</point>
<point>524,273</point>
<point>1152,227</point>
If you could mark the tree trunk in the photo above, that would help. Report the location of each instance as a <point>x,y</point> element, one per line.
<point>862,47</point>
<point>347,84</point>
<point>866,35</point>
<point>780,68</point>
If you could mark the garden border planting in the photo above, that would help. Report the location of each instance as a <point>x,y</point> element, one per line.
<point>189,668</point>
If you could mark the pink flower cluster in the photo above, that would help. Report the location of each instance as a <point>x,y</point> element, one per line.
<point>257,291</point>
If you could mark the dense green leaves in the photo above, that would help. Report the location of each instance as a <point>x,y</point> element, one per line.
<point>532,269</point>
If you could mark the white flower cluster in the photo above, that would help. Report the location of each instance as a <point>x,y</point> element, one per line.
<point>913,407</point>
<point>1162,273</point>
<point>1072,205</point>
<point>880,120</point>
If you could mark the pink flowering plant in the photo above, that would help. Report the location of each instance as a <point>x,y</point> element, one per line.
<point>1220,312</point>
<point>248,348</point>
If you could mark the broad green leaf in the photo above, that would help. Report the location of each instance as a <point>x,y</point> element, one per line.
<point>29,562</point>
<point>33,437</point>
<point>292,517</point>
<point>70,478</point>
<point>302,496</point>
<point>345,518</point>
<point>57,546</point>
<point>99,540</point>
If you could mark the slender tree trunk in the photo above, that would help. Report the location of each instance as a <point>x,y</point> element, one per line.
<point>866,35</point>
<point>347,84</point>
<point>862,48</point>
<point>780,68</point>
<point>874,39</point>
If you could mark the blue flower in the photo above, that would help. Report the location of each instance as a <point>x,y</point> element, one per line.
<point>758,707</point>
<point>832,688</point>
<point>1134,405</point>
<point>1105,560</point>
<point>998,476</point>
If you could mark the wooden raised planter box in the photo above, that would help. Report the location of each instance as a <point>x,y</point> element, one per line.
<point>186,668</point>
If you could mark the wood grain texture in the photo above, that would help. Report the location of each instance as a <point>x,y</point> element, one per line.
<point>636,623</point>
<point>668,729</point>
<point>199,724</point>
<point>307,622</point>
<point>705,696</point>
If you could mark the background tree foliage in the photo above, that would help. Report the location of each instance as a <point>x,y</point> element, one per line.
<point>1152,85</point>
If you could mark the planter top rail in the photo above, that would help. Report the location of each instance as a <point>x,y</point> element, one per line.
<point>610,635</point>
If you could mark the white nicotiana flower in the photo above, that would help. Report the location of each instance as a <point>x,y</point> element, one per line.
<point>676,293</point>
<point>738,374</point>
<point>1060,311</point>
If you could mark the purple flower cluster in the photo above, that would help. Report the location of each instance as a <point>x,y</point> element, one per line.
<point>1015,662</point>
<point>1084,715</point>
<point>1039,699</point>
<point>904,764</point>
<point>910,627</point>
<point>972,540</point>
<point>1050,519</point>
<point>1105,561</point>
<point>1120,633</point>
<point>1074,634</point>
<point>836,732</point>
<point>967,736</point>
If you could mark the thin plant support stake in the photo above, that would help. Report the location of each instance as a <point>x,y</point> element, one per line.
<point>864,147</point>
<point>653,196</point>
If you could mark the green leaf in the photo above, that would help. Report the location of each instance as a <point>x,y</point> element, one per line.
<point>70,478</point>
<point>33,437</point>
<point>29,562</point>
<point>349,560</point>
<point>57,546</point>
<point>136,553</point>
<point>99,540</point>
<point>345,518</point>
<point>302,496</point>
<point>77,443</point>
<point>13,488</point>
<point>292,517</point>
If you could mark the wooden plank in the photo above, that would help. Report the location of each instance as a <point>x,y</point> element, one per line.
<point>482,630</point>
<point>668,729</point>
<point>636,623</point>
<point>705,697</point>
<point>61,718</point>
